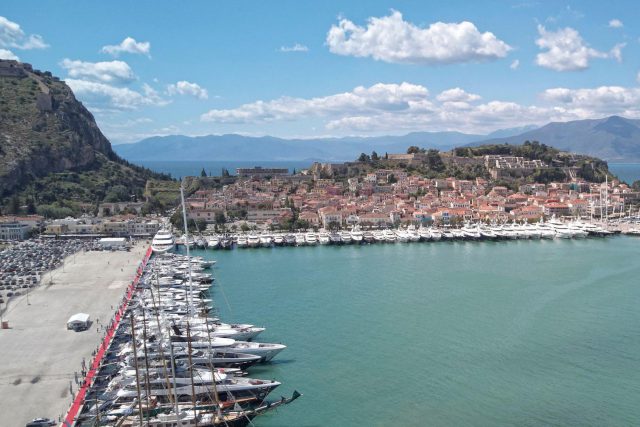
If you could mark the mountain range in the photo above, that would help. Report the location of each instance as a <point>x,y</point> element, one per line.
<point>611,138</point>
<point>268,148</point>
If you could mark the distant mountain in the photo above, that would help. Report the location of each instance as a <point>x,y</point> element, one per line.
<point>268,148</point>
<point>612,138</point>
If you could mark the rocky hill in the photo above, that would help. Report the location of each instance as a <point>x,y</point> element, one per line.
<point>52,153</point>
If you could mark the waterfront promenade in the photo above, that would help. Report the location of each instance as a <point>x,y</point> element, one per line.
<point>39,358</point>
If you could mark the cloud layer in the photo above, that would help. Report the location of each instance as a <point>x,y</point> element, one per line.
<point>392,39</point>
<point>394,108</point>
<point>107,97</point>
<point>12,36</point>
<point>295,48</point>
<point>128,45</point>
<point>106,72</point>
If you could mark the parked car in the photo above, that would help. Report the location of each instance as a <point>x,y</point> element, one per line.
<point>41,422</point>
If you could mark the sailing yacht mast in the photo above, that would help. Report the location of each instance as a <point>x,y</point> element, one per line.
<point>186,243</point>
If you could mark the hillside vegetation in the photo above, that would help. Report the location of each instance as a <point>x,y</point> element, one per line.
<point>53,158</point>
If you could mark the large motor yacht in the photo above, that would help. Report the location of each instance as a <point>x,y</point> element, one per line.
<point>163,242</point>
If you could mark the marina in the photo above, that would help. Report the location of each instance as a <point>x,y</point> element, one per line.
<point>551,229</point>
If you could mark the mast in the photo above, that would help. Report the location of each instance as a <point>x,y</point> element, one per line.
<point>135,358</point>
<point>193,388</point>
<point>213,373</point>
<point>173,372</point>
<point>186,243</point>
<point>146,360</point>
<point>164,361</point>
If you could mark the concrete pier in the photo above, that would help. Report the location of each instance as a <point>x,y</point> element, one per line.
<point>39,358</point>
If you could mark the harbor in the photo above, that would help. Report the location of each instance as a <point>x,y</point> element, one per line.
<point>552,229</point>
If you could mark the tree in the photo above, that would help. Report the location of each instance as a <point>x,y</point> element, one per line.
<point>203,173</point>
<point>225,172</point>
<point>363,158</point>
<point>244,227</point>
<point>31,206</point>
<point>374,156</point>
<point>220,218</point>
<point>294,171</point>
<point>413,150</point>
<point>391,179</point>
<point>14,205</point>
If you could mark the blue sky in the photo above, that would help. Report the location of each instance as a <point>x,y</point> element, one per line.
<point>304,69</point>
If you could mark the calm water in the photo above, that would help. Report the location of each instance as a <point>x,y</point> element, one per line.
<point>628,172</point>
<point>527,333</point>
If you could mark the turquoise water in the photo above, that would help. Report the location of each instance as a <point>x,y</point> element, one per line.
<point>628,172</point>
<point>527,333</point>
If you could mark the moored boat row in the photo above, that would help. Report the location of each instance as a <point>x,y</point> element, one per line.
<point>552,229</point>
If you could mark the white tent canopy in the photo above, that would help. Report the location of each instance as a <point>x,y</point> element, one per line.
<point>78,320</point>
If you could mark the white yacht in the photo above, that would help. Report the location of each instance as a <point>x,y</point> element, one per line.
<point>389,236</point>
<point>266,240</point>
<point>310,238</point>
<point>278,239</point>
<point>378,236</point>
<point>424,234</point>
<point>413,233</point>
<point>435,234</point>
<point>242,241</point>
<point>401,235</point>
<point>163,242</point>
<point>213,242</point>
<point>253,240</point>
<point>356,235</point>
<point>300,240</point>
<point>335,238</point>
<point>323,238</point>
<point>345,236</point>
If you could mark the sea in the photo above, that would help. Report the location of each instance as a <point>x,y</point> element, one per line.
<point>627,172</point>
<point>516,333</point>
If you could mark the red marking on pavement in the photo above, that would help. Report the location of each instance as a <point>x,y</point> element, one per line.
<point>78,402</point>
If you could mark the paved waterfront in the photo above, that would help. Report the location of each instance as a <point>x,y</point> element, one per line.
<point>38,355</point>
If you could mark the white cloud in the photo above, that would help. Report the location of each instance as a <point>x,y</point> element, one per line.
<point>515,64</point>
<point>105,96</point>
<point>457,95</point>
<point>616,52</point>
<point>184,87</point>
<point>387,108</point>
<point>391,39</point>
<point>295,48</point>
<point>616,23</point>
<point>106,72</point>
<point>565,50</point>
<point>128,45</point>
<point>12,36</point>
<point>379,97</point>
<point>7,54</point>
<point>603,100</point>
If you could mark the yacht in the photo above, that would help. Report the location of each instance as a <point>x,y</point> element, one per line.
<point>311,238</point>
<point>266,240</point>
<point>323,238</point>
<point>213,242</point>
<point>253,240</point>
<point>368,237</point>
<point>335,238</point>
<point>290,239</point>
<point>401,235</point>
<point>163,242</point>
<point>300,240</point>
<point>345,236</point>
<point>435,234</point>
<point>389,236</point>
<point>278,239</point>
<point>424,234</point>
<point>356,235</point>
<point>242,242</point>
<point>413,234</point>
<point>378,236</point>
